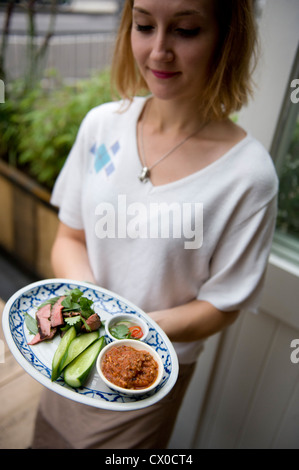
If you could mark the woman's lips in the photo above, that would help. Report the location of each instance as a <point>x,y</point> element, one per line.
<point>163,74</point>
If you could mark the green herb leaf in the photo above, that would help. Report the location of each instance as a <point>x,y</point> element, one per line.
<point>69,305</point>
<point>31,324</point>
<point>73,320</point>
<point>75,302</point>
<point>51,301</point>
<point>85,305</point>
<point>87,327</point>
<point>76,294</point>
<point>120,331</point>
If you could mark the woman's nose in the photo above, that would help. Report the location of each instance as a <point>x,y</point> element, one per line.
<point>162,50</point>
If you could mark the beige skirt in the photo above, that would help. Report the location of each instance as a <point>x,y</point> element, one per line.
<point>64,424</point>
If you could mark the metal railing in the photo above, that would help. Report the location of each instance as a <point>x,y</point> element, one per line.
<point>72,56</point>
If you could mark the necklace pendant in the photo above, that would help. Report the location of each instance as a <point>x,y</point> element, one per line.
<point>144,175</point>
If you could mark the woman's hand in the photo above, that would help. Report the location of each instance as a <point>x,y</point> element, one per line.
<point>192,321</point>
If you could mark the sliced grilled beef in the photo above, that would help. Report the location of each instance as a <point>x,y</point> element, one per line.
<point>94,322</point>
<point>49,318</point>
<point>43,317</point>
<point>70,314</point>
<point>56,313</point>
<point>37,338</point>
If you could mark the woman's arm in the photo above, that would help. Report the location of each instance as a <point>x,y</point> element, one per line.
<point>69,255</point>
<point>192,321</point>
<point>189,322</point>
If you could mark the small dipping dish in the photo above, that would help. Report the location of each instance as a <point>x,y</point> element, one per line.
<point>117,366</point>
<point>125,322</point>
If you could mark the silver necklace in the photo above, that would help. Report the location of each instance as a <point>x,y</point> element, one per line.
<point>145,172</point>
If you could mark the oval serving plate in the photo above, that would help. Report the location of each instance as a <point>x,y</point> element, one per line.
<point>37,360</point>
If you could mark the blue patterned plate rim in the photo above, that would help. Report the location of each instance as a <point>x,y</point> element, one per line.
<point>36,360</point>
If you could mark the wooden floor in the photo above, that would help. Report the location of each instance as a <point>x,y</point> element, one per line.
<point>19,396</point>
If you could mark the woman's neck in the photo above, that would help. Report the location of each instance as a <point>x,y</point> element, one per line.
<point>172,116</point>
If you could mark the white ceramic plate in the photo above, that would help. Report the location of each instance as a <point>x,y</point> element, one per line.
<point>37,359</point>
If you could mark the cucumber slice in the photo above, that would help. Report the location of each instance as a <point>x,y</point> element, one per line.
<point>78,345</point>
<point>61,352</point>
<point>76,373</point>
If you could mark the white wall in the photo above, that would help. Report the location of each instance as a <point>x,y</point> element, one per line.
<point>279,33</point>
<point>204,422</point>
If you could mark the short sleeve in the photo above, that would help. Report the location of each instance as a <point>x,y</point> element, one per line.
<point>67,190</point>
<point>239,263</point>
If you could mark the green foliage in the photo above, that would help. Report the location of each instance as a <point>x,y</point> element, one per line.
<point>38,127</point>
<point>288,203</point>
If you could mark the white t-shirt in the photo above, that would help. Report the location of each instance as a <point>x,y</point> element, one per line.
<point>205,236</point>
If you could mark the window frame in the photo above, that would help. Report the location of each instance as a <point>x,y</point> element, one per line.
<point>285,245</point>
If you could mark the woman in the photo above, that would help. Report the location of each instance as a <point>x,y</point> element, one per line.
<point>193,199</point>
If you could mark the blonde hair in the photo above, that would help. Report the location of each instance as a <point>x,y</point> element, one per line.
<point>230,81</point>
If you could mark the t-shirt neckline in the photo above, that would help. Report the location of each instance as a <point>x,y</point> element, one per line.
<point>196,174</point>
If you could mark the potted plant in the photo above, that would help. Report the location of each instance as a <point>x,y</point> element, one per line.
<point>37,131</point>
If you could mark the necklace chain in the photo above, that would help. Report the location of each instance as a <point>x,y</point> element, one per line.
<point>145,172</point>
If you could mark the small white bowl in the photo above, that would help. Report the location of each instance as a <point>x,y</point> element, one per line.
<point>135,319</point>
<point>135,345</point>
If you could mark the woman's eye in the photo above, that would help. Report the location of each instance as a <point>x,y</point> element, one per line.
<point>188,33</point>
<point>183,32</point>
<point>144,28</point>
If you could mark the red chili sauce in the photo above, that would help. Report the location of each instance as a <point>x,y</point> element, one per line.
<point>129,368</point>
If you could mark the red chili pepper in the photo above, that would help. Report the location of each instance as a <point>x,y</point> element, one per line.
<point>136,331</point>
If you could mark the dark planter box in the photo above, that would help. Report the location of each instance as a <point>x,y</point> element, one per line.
<point>28,223</point>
